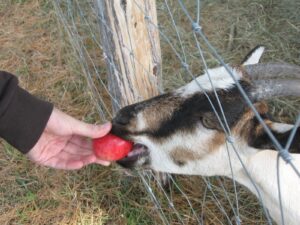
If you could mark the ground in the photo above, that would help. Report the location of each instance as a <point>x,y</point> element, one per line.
<point>33,45</point>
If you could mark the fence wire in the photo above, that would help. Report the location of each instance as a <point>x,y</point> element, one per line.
<point>189,200</point>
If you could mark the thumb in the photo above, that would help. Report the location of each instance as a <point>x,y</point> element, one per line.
<point>90,130</point>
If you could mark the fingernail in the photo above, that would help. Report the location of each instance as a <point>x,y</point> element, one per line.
<point>106,125</point>
<point>103,163</point>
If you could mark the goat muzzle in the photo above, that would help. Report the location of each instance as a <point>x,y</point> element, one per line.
<point>139,156</point>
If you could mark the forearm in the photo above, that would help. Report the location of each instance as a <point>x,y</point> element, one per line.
<point>23,117</point>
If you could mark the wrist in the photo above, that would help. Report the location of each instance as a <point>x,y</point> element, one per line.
<point>24,120</point>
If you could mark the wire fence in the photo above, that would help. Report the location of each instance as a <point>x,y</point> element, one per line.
<point>188,200</point>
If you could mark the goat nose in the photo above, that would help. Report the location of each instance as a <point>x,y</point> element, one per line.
<point>121,120</point>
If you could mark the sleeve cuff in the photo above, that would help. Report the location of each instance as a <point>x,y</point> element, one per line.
<point>24,120</point>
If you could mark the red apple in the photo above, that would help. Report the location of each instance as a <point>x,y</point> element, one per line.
<point>111,147</point>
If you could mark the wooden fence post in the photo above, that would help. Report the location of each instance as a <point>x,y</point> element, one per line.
<point>132,49</point>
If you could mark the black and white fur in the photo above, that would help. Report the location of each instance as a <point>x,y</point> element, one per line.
<point>179,133</point>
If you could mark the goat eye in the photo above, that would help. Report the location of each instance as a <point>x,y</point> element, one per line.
<point>207,123</point>
<point>210,121</point>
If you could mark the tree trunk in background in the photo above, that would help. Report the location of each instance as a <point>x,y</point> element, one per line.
<point>132,49</point>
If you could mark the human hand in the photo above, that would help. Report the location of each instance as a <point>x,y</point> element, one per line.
<point>66,143</point>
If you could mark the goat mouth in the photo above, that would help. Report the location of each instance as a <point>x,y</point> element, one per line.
<point>137,156</point>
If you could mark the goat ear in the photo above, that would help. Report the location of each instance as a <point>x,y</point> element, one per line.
<point>253,56</point>
<point>281,127</point>
<point>281,131</point>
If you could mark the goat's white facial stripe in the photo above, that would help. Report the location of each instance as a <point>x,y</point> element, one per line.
<point>141,123</point>
<point>220,79</point>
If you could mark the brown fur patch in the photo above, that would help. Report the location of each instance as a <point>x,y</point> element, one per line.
<point>245,125</point>
<point>241,70</point>
<point>156,112</point>
<point>259,129</point>
<point>216,141</point>
<point>181,156</point>
<point>132,125</point>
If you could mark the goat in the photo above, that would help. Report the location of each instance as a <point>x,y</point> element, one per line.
<point>179,132</point>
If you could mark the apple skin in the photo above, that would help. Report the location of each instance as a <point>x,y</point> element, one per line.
<point>111,147</point>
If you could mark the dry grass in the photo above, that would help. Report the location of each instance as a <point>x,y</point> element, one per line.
<point>34,47</point>
<point>31,47</point>
<point>234,28</point>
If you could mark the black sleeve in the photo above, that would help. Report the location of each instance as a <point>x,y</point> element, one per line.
<point>23,117</point>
